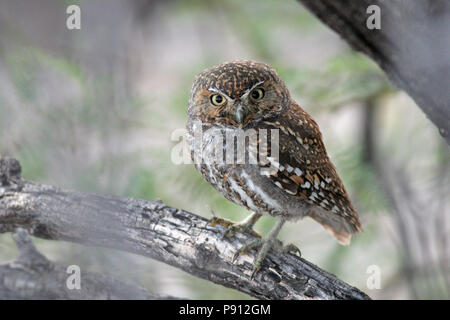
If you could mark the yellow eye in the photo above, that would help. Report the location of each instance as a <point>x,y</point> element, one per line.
<point>217,100</point>
<point>257,94</point>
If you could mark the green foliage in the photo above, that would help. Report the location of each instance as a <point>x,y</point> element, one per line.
<point>360,179</point>
<point>142,184</point>
<point>22,69</point>
<point>345,78</point>
<point>33,164</point>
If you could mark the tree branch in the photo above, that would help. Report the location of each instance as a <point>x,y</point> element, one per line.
<point>152,229</point>
<point>32,276</point>
<point>411,46</point>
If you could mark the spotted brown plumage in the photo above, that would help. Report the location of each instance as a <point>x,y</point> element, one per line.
<point>306,171</point>
<point>250,98</point>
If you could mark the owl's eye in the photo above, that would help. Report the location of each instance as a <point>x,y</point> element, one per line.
<point>217,100</point>
<point>257,94</point>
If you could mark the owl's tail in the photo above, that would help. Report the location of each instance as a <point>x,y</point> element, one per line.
<point>340,227</point>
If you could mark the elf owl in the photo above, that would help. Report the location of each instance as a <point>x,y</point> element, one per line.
<point>298,181</point>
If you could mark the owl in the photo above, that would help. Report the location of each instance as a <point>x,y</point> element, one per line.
<point>294,179</point>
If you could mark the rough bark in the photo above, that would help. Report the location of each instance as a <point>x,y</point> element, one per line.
<point>412,46</point>
<point>32,276</point>
<point>155,230</point>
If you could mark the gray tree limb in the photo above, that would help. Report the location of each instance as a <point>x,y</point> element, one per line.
<point>412,46</point>
<point>32,276</point>
<point>152,229</point>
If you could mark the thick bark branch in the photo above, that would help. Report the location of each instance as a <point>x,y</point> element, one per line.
<point>152,229</point>
<point>411,46</point>
<point>32,276</point>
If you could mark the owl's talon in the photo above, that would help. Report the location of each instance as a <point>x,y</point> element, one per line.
<point>223,222</point>
<point>213,214</point>
<point>231,230</point>
<point>264,244</point>
<point>245,228</point>
<point>247,247</point>
<point>269,242</point>
<point>292,249</point>
<point>233,227</point>
<point>289,248</point>
<point>255,271</point>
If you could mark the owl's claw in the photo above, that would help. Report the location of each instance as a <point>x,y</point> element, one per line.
<point>243,227</point>
<point>265,245</point>
<point>223,222</point>
<point>269,242</point>
<point>247,247</point>
<point>292,249</point>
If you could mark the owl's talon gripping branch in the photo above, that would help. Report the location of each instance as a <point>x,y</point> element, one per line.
<point>265,244</point>
<point>292,249</point>
<point>245,226</point>
<point>247,247</point>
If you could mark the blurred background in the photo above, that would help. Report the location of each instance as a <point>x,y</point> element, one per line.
<point>94,109</point>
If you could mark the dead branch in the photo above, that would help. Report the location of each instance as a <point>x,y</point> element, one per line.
<point>32,276</point>
<point>155,230</point>
<point>411,46</point>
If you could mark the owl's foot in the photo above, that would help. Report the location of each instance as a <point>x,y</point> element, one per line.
<point>264,245</point>
<point>290,248</point>
<point>277,245</point>
<point>245,226</point>
<point>241,228</point>
<point>223,222</point>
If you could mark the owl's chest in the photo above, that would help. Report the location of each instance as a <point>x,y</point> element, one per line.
<point>214,159</point>
<point>244,185</point>
<point>239,184</point>
<point>235,173</point>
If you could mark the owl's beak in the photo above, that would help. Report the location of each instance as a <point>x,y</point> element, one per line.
<point>240,114</point>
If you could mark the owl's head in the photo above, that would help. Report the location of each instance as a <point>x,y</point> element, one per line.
<point>237,93</point>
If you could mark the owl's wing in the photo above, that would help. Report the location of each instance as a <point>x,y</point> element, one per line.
<point>305,171</point>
